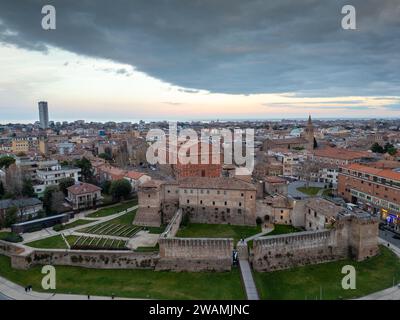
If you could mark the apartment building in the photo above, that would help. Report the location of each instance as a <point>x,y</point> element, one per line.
<point>376,190</point>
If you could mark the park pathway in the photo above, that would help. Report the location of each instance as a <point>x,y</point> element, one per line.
<point>247,277</point>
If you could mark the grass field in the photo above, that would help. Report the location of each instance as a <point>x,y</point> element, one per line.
<point>55,242</point>
<point>10,236</point>
<point>146,284</point>
<point>282,229</point>
<point>301,283</point>
<point>202,230</point>
<point>76,223</point>
<point>114,209</point>
<point>120,226</point>
<point>311,191</point>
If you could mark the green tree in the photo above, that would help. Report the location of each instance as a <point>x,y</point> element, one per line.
<point>120,189</point>
<point>392,151</point>
<point>66,183</point>
<point>6,161</point>
<point>11,217</point>
<point>48,198</point>
<point>377,148</point>
<point>105,156</point>
<point>86,169</point>
<point>105,186</point>
<point>27,188</point>
<point>2,191</point>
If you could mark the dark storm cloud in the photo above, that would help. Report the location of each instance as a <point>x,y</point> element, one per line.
<point>228,46</point>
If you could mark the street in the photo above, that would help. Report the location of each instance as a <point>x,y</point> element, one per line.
<point>388,236</point>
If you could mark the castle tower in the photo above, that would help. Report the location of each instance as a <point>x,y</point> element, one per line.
<point>309,134</point>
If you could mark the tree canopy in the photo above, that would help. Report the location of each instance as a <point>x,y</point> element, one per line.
<point>120,189</point>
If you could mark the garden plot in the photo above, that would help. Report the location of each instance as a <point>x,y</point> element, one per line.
<point>97,243</point>
<point>112,229</point>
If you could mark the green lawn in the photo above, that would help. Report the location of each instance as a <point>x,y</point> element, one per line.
<point>114,209</point>
<point>327,193</point>
<point>55,242</point>
<point>311,191</point>
<point>282,229</point>
<point>133,283</point>
<point>301,283</point>
<point>76,223</point>
<point>202,230</point>
<point>10,236</point>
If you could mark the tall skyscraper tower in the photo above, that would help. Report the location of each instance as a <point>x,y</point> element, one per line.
<point>43,115</point>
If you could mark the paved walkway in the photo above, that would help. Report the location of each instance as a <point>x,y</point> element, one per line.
<point>12,291</point>
<point>247,277</point>
<point>262,233</point>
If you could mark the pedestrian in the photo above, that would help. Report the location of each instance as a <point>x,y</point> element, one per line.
<point>88,296</point>
<point>26,289</point>
<point>112,296</point>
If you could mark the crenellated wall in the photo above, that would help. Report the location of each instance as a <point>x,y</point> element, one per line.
<point>286,251</point>
<point>351,237</point>
<point>195,254</point>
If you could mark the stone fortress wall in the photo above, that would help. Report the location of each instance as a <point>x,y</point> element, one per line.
<point>86,258</point>
<point>192,254</point>
<point>351,237</point>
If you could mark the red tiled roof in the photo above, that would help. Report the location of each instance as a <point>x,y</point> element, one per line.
<point>83,188</point>
<point>341,154</point>
<point>384,173</point>
<point>134,175</point>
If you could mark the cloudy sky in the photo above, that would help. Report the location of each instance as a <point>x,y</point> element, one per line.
<point>199,59</point>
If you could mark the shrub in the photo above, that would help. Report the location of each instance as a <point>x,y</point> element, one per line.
<point>58,227</point>
<point>13,237</point>
<point>258,220</point>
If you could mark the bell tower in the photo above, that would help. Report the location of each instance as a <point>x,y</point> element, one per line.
<point>309,134</point>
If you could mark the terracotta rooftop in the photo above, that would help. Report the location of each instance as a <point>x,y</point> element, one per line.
<point>325,207</point>
<point>384,173</point>
<point>83,188</point>
<point>215,183</point>
<point>134,175</point>
<point>341,154</point>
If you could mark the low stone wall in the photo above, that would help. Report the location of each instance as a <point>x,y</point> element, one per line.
<point>9,248</point>
<point>195,254</point>
<point>85,258</point>
<point>297,249</point>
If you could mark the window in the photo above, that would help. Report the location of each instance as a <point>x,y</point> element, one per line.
<point>240,204</point>
<point>187,201</point>
<point>201,201</point>
<point>226,203</point>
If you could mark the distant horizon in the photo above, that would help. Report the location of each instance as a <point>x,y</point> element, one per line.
<point>147,120</point>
